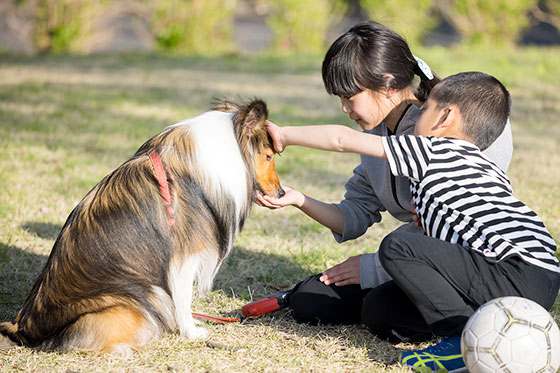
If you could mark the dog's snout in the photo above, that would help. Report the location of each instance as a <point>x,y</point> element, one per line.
<point>281,192</point>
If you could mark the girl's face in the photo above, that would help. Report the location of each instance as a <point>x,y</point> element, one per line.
<point>367,108</point>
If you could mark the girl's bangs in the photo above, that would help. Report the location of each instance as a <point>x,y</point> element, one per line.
<point>339,79</point>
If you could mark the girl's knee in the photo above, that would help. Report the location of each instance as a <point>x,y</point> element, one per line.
<point>300,303</point>
<point>312,302</point>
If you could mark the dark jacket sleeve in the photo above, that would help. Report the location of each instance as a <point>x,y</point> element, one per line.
<point>361,207</point>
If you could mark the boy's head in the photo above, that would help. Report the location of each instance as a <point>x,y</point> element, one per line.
<point>478,102</point>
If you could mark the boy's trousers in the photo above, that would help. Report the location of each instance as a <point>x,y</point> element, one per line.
<point>435,289</point>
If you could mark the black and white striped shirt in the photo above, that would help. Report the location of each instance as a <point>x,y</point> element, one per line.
<point>462,197</point>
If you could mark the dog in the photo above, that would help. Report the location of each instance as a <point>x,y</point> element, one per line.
<point>122,270</point>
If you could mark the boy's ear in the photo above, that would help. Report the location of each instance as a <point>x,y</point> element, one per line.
<point>449,118</point>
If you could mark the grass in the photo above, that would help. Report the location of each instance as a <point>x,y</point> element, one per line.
<point>66,121</point>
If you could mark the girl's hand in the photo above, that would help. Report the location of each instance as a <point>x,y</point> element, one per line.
<point>345,273</point>
<point>291,198</point>
<point>275,133</point>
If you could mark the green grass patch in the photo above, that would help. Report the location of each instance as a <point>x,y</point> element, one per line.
<point>67,121</point>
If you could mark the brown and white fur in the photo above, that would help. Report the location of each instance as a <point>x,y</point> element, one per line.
<point>118,277</point>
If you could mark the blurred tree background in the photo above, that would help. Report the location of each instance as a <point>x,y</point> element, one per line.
<point>209,27</point>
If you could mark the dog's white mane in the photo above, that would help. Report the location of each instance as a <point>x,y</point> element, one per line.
<point>218,155</point>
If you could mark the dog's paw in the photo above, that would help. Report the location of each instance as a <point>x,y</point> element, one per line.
<point>195,332</point>
<point>5,343</point>
<point>121,349</point>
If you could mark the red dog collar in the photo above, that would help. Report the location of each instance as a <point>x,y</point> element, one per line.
<point>163,188</point>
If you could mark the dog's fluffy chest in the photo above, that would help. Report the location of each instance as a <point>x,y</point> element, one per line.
<point>218,155</point>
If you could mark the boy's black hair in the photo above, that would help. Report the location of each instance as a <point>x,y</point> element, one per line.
<point>359,58</point>
<point>483,101</point>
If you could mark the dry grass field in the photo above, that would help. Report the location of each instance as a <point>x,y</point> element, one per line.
<point>67,121</point>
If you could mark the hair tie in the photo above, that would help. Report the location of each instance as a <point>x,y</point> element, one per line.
<point>422,68</point>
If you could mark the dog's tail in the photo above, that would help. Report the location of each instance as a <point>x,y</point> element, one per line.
<point>8,334</point>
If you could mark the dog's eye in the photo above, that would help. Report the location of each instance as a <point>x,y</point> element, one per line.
<point>269,158</point>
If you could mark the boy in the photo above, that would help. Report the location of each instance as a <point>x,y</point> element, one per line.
<point>481,243</point>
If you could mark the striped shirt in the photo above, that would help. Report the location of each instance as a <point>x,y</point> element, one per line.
<point>462,197</point>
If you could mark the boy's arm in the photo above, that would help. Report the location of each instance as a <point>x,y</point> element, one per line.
<point>327,137</point>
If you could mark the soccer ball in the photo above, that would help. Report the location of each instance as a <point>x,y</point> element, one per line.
<point>511,334</point>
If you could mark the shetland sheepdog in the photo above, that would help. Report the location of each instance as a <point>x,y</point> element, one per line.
<point>122,270</point>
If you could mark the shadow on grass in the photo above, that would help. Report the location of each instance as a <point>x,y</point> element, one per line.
<point>342,336</point>
<point>47,231</point>
<point>18,271</point>
<point>266,274</point>
<point>154,61</point>
<point>252,275</point>
<point>262,273</point>
<point>244,274</point>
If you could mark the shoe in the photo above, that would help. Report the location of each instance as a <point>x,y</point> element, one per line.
<point>442,357</point>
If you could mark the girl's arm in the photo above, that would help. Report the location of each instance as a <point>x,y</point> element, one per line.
<point>325,213</point>
<point>327,137</point>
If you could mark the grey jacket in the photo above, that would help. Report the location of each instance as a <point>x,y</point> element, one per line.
<point>373,189</point>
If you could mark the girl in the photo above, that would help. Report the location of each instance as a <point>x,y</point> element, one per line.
<point>373,71</point>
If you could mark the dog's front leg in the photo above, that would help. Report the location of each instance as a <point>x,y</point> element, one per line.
<point>181,284</point>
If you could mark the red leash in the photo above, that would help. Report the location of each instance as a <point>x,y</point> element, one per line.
<point>163,188</point>
<point>218,319</point>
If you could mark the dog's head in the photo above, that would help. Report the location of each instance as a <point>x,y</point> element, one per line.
<point>249,121</point>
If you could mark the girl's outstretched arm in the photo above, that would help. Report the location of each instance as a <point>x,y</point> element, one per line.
<point>325,213</point>
<point>329,137</point>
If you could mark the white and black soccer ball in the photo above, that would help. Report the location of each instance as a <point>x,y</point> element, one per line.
<point>511,334</point>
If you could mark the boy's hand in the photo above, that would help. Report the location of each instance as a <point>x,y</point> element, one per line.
<point>415,217</point>
<point>291,198</point>
<point>275,133</point>
<point>345,273</point>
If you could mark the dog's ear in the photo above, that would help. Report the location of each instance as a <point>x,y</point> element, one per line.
<point>256,114</point>
<point>225,106</point>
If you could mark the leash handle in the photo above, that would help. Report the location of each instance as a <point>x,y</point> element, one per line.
<point>254,309</point>
<point>260,307</point>
<point>266,305</point>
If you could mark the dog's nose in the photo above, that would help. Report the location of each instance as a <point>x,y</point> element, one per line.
<point>281,193</point>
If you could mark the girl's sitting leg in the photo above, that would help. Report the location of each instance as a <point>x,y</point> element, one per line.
<point>389,314</point>
<point>314,302</point>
